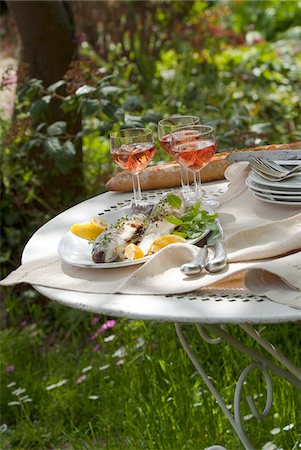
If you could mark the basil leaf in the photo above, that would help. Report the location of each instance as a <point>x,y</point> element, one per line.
<point>173,220</point>
<point>174,201</point>
<point>186,217</point>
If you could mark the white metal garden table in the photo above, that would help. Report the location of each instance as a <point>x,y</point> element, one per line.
<point>209,312</point>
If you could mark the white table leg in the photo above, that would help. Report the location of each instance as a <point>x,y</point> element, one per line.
<point>291,374</point>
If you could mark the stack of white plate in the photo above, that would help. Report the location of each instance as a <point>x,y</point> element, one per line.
<point>285,192</point>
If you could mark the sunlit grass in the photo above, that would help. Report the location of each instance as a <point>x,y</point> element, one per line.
<point>73,380</point>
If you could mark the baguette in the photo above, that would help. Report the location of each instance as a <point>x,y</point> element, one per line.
<point>168,175</point>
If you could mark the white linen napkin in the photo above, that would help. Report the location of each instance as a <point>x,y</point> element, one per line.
<point>263,240</point>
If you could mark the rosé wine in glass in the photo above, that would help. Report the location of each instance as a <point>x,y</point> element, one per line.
<point>165,143</point>
<point>134,157</point>
<point>165,128</point>
<point>132,149</point>
<point>193,147</point>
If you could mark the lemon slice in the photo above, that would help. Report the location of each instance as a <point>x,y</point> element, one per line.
<point>133,252</point>
<point>99,222</point>
<point>88,231</point>
<point>164,240</point>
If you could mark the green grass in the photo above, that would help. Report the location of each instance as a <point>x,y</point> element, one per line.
<point>147,395</point>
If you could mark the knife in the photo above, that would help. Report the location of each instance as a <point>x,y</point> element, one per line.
<point>287,155</point>
<point>216,239</point>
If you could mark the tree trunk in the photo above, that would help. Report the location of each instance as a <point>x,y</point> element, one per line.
<point>46,29</point>
<point>47,34</point>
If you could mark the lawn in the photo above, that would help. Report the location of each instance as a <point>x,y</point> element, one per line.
<point>74,380</point>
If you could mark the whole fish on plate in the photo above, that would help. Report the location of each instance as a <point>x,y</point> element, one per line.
<point>110,245</point>
<point>157,225</point>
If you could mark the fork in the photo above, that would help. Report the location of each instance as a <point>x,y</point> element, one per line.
<point>276,167</point>
<point>273,171</point>
<point>142,208</point>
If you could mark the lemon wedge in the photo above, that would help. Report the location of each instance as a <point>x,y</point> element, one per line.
<point>99,222</point>
<point>133,252</point>
<point>88,231</point>
<point>164,240</point>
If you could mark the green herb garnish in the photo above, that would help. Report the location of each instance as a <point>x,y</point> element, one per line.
<point>193,222</point>
<point>174,201</point>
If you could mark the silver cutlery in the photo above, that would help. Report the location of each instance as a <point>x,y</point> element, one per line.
<point>273,171</point>
<point>217,263</point>
<point>216,240</point>
<point>142,208</point>
<point>198,264</point>
<point>277,167</point>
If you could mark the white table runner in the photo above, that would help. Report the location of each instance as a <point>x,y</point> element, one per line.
<point>263,241</point>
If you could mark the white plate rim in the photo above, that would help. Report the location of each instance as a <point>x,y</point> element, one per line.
<point>279,202</point>
<point>293,198</point>
<point>254,186</point>
<point>284,184</point>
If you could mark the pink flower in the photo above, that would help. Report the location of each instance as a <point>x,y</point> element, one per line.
<point>9,368</point>
<point>105,326</point>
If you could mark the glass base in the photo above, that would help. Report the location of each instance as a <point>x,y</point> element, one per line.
<point>211,204</point>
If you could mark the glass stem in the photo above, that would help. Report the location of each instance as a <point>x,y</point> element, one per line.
<point>197,186</point>
<point>184,178</point>
<point>136,188</point>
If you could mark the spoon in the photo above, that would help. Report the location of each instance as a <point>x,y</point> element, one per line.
<point>217,263</point>
<point>197,265</point>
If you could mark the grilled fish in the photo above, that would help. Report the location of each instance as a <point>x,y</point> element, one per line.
<point>109,246</point>
<point>157,224</point>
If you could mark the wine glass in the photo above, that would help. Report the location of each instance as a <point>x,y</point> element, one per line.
<point>132,149</point>
<point>165,127</point>
<point>193,146</point>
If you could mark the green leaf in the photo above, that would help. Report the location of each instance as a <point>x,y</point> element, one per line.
<point>132,121</point>
<point>40,126</point>
<point>70,103</point>
<point>133,103</point>
<point>196,208</point>
<point>37,108</point>
<point>174,201</point>
<point>52,146</point>
<point>53,87</point>
<point>69,148</point>
<point>62,155</point>
<point>186,217</point>
<point>47,99</point>
<point>90,106</point>
<point>174,220</point>
<point>56,129</point>
<point>108,90</point>
<point>83,90</point>
<point>35,83</point>
<point>105,79</point>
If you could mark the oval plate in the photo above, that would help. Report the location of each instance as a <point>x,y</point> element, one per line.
<point>77,251</point>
